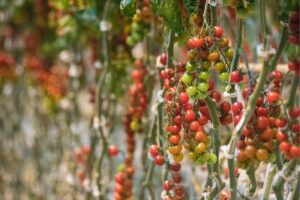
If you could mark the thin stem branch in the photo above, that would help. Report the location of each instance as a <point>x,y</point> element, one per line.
<point>271,171</point>
<point>251,175</point>
<point>170,47</point>
<point>291,100</point>
<point>280,178</point>
<point>216,147</point>
<point>296,191</point>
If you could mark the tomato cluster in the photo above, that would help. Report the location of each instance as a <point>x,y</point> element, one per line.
<point>140,24</point>
<point>173,188</point>
<point>138,101</point>
<point>7,65</point>
<point>184,122</point>
<point>258,137</point>
<point>209,49</point>
<point>53,81</point>
<point>81,155</point>
<point>294,27</point>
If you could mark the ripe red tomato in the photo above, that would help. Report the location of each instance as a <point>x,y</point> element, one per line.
<point>295,151</point>
<point>153,149</point>
<point>203,119</point>
<point>216,96</point>
<point>285,146</point>
<point>159,160</point>
<point>175,166</point>
<point>194,126</point>
<point>177,120</point>
<point>294,112</point>
<point>273,97</point>
<point>86,149</point>
<point>267,134</point>
<point>263,122</point>
<point>236,107</point>
<point>184,97</point>
<point>218,31</point>
<point>281,136</point>
<point>113,150</point>
<point>189,116</point>
<point>226,106</point>
<point>236,76</point>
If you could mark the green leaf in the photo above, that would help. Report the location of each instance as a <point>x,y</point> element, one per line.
<point>128,7</point>
<point>191,5</point>
<point>170,12</point>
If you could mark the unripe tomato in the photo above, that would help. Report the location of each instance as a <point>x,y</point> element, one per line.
<point>200,148</point>
<point>219,66</point>
<point>174,139</point>
<point>175,149</point>
<point>213,56</point>
<point>250,151</point>
<point>192,91</point>
<point>200,136</point>
<point>224,76</point>
<point>262,154</point>
<point>187,78</point>
<point>224,42</point>
<point>178,157</point>
<point>203,87</point>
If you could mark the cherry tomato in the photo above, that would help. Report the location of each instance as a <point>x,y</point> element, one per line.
<point>236,77</point>
<point>218,31</point>
<point>113,150</point>
<point>285,146</point>
<point>159,160</point>
<point>263,122</point>
<point>194,126</point>
<point>153,150</point>
<point>200,148</point>
<point>262,154</point>
<point>189,116</point>
<point>250,151</point>
<point>184,97</point>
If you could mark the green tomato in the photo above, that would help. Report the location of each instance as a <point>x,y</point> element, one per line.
<point>212,158</point>
<point>205,75</point>
<point>203,87</point>
<point>130,41</point>
<point>190,66</point>
<point>205,156</point>
<point>192,91</point>
<point>219,66</point>
<point>135,125</point>
<point>136,27</point>
<point>224,76</point>
<point>206,65</point>
<point>136,36</point>
<point>201,95</point>
<point>187,78</point>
